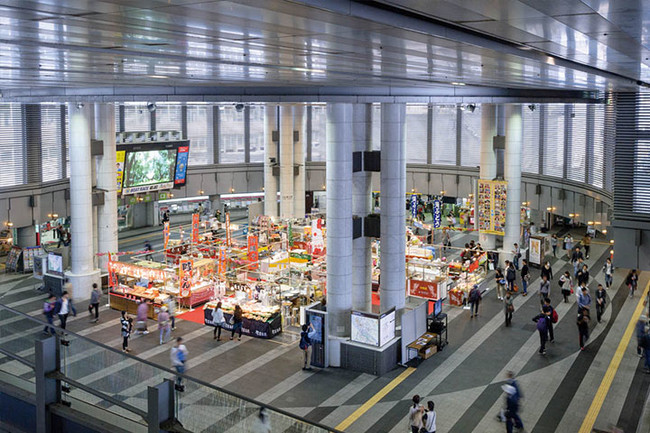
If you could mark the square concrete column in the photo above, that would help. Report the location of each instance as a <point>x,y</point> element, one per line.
<point>512,173</point>
<point>286,161</point>
<point>270,152</point>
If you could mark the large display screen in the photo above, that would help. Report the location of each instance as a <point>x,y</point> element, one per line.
<point>149,167</point>
<point>365,328</point>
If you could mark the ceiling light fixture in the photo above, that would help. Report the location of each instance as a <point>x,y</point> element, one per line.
<point>455,83</point>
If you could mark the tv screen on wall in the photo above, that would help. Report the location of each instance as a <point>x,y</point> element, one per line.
<point>149,170</point>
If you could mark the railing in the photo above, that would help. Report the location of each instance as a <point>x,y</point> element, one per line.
<point>115,387</point>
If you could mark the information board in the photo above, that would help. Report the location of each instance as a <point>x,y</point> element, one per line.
<point>491,206</point>
<point>365,328</point>
<point>386,327</point>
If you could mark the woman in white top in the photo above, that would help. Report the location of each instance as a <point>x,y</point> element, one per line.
<point>217,321</point>
<point>415,415</point>
<point>429,419</point>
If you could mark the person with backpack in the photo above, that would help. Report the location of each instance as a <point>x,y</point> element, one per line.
<point>601,300</point>
<point>583,328</point>
<point>178,355</point>
<point>525,275</point>
<point>63,308</point>
<point>305,345</point>
<point>474,300</point>
<point>415,415</point>
<point>429,419</point>
<point>566,285</point>
<point>48,311</point>
<point>551,318</point>
<point>608,270</point>
<point>511,275</point>
<point>542,330</point>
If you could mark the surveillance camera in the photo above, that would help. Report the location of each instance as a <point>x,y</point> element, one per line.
<point>532,107</point>
<point>80,105</point>
<point>239,107</point>
<point>471,107</point>
<point>151,106</point>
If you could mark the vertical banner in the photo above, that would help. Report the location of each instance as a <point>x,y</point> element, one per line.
<point>112,278</point>
<point>165,234</point>
<point>437,214</point>
<point>290,234</point>
<point>253,252</point>
<point>222,260</point>
<point>185,277</point>
<point>196,219</point>
<point>120,170</point>
<point>228,238</point>
<point>491,204</point>
<point>317,240</point>
<point>414,206</point>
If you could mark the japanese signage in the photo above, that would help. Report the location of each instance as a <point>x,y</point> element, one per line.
<point>181,165</point>
<point>185,278</point>
<point>136,271</point>
<point>414,206</point>
<point>424,289</point>
<point>437,214</point>
<point>165,234</point>
<point>195,228</point>
<point>252,251</point>
<point>222,260</point>
<point>228,238</point>
<point>317,240</point>
<point>491,206</point>
<point>120,170</point>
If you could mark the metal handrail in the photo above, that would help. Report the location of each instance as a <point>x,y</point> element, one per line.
<point>61,331</point>
<point>18,358</point>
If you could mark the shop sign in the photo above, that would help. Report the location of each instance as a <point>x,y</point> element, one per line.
<point>133,200</point>
<point>252,252</point>
<point>120,170</point>
<point>317,241</point>
<point>535,251</point>
<point>165,234</point>
<point>424,289</point>
<point>222,260</point>
<point>163,196</point>
<point>147,198</point>
<point>228,238</point>
<point>437,214</point>
<point>414,206</point>
<point>196,220</point>
<point>136,271</point>
<point>185,277</point>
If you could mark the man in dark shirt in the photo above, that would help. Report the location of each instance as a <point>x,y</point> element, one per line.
<point>601,300</point>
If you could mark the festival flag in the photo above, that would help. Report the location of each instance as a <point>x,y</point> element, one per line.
<point>253,251</point>
<point>195,228</point>
<point>222,260</point>
<point>165,234</point>
<point>185,277</point>
<point>228,238</point>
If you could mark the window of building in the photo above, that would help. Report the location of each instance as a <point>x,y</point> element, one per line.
<point>318,132</point>
<point>376,126</point>
<point>444,135</point>
<point>470,137</point>
<point>231,135</point>
<point>576,169</point>
<point>136,117</point>
<point>11,144</point>
<point>553,164</point>
<point>52,152</point>
<point>642,177</point>
<point>416,133</point>
<point>598,164</point>
<point>530,146</point>
<point>169,117</point>
<point>257,133</point>
<point>199,132</point>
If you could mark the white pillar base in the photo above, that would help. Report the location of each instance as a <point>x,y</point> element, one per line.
<point>334,350</point>
<point>82,284</point>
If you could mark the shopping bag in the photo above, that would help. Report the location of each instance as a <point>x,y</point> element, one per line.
<point>515,288</point>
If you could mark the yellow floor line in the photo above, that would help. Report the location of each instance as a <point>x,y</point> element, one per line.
<point>375,399</point>
<point>603,389</point>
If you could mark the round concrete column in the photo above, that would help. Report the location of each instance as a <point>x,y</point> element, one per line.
<point>299,159</point>
<point>339,220</point>
<point>361,206</point>
<point>270,152</point>
<point>512,174</point>
<point>393,210</point>
<point>488,167</point>
<point>286,161</point>
<point>82,274</point>
<point>106,181</point>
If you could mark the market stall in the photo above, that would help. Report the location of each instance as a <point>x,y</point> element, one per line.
<point>258,320</point>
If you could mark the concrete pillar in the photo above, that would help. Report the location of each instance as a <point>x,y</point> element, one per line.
<point>393,211</point>
<point>83,274</point>
<point>299,159</point>
<point>107,182</point>
<point>361,206</point>
<point>270,152</point>
<point>488,167</point>
<point>512,173</point>
<point>286,161</point>
<point>339,220</point>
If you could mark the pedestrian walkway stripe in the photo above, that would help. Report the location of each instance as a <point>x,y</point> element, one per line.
<point>603,389</point>
<point>375,399</point>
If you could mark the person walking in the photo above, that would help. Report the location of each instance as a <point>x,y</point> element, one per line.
<point>63,309</point>
<point>584,300</point>
<point>415,415</point>
<point>645,344</point>
<point>576,260</point>
<point>509,308</point>
<point>544,289</point>
<point>501,283</point>
<point>632,280</point>
<point>511,275</point>
<point>95,297</point>
<point>446,241</point>
<point>568,245</point>
<point>171,309</point>
<point>149,250</point>
<point>164,328</point>
<point>516,254</point>
<point>608,270</point>
<point>429,419</point>
<point>218,321</point>
<point>586,242</point>
<point>554,244</point>
<point>566,285</point>
<point>548,271</point>
<point>305,345</point>
<point>583,275</point>
<point>142,311</point>
<point>543,332</point>
<point>640,332</point>
<point>601,300</point>
<point>126,326</point>
<point>525,275</point>
<point>178,355</point>
<point>237,322</point>
<point>48,310</point>
<point>583,328</point>
<point>512,409</point>
<point>551,318</point>
<point>474,300</point>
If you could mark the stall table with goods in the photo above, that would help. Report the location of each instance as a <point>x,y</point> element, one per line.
<point>427,278</point>
<point>131,283</point>
<point>258,320</point>
<point>465,276</point>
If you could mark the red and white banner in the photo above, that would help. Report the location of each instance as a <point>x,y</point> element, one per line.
<point>112,277</point>
<point>317,239</point>
<point>228,239</point>
<point>222,260</point>
<point>424,289</point>
<point>196,220</point>
<point>165,235</point>
<point>253,252</point>
<point>185,277</point>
